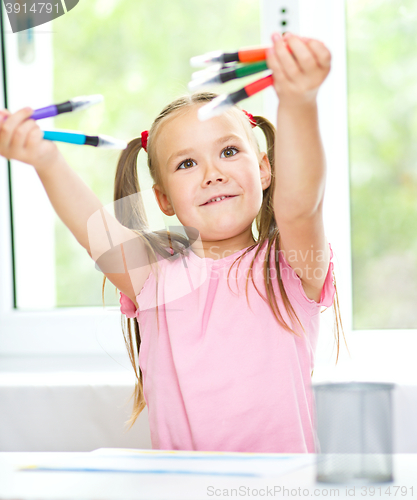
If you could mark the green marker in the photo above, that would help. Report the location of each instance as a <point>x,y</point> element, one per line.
<point>227,74</point>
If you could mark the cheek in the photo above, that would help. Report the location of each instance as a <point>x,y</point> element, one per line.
<point>254,181</point>
<point>257,193</point>
<point>180,194</point>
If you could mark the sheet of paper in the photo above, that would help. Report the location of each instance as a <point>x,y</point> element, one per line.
<point>178,462</point>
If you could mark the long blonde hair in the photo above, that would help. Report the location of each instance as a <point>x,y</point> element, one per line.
<point>132,215</point>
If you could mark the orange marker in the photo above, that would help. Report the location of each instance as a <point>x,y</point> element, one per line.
<point>242,55</point>
<point>223,58</point>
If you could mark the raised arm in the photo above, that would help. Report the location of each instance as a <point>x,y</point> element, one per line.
<point>121,255</point>
<point>299,68</point>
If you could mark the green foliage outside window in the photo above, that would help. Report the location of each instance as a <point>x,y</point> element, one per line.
<point>382,93</point>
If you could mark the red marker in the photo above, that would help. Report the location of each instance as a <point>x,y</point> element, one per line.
<point>218,105</point>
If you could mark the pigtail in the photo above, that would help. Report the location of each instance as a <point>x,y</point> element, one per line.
<point>130,212</point>
<point>129,209</point>
<point>265,220</point>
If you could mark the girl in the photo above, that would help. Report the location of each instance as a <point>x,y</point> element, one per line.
<point>224,322</point>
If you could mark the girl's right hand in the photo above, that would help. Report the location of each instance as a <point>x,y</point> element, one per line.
<point>21,139</point>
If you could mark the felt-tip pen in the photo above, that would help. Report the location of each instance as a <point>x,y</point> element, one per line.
<point>99,141</point>
<point>75,104</point>
<point>210,70</point>
<point>242,55</point>
<point>218,105</point>
<point>228,74</point>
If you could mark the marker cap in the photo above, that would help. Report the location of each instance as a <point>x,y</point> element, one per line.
<point>85,101</point>
<point>214,68</point>
<point>210,79</point>
<point>105,141</point>
<point>206,59</point>
<point>215,107</point>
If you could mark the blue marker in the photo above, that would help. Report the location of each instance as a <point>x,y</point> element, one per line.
<point>99,141</point>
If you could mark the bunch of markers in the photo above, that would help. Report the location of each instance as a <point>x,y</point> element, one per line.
<point>78,103</point>
<point>226,66</point>
<point>221,68</point>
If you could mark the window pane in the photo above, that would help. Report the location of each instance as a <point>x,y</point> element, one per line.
<point>28,71</point>
<point>382,82</point>
<point>137,55</point>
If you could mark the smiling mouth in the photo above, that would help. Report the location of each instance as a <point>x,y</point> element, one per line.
<point>217,200</point>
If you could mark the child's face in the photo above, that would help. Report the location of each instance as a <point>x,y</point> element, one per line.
<point>199,161</point>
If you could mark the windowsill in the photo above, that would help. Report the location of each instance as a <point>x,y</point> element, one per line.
<point>370,356</point>
<point>71,369</point>
<point>68,403</point>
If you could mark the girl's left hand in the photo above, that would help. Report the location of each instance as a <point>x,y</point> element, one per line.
<point>299,66</point>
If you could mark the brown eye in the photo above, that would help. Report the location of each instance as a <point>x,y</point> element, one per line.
<point>187,164</point>
<point>229,152</point>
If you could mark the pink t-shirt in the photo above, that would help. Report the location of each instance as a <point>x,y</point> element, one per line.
<point>220,374</point>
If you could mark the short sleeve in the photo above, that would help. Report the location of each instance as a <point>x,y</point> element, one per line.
<point>294,286</point>
<point>127,307</point>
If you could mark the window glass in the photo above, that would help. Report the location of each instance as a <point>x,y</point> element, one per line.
<point>137,55</point>
<point>382,97</point>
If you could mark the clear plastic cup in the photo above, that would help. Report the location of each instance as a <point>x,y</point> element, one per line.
<point>354,431</point>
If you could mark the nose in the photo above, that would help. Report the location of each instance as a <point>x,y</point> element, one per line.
<point>213,175</point>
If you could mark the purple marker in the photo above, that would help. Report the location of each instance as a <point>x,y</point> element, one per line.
<point>75,104</point>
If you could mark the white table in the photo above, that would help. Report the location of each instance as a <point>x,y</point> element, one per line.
<point>300,483</point>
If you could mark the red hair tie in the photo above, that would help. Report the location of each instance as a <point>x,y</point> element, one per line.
<point>251,118</point>
<point>144,138</point>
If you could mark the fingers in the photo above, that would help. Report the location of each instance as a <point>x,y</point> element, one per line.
<point>34,137</point>
<point>273,63</point>
<point>286,61</point>
<point>4,113</point>
<point>21,139</point>
<point>21,135</point>
<point>8,127</point>
<point>294,56</point>
<point>321,53</point>
<point>299,66</point>
<point>302,53</point>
